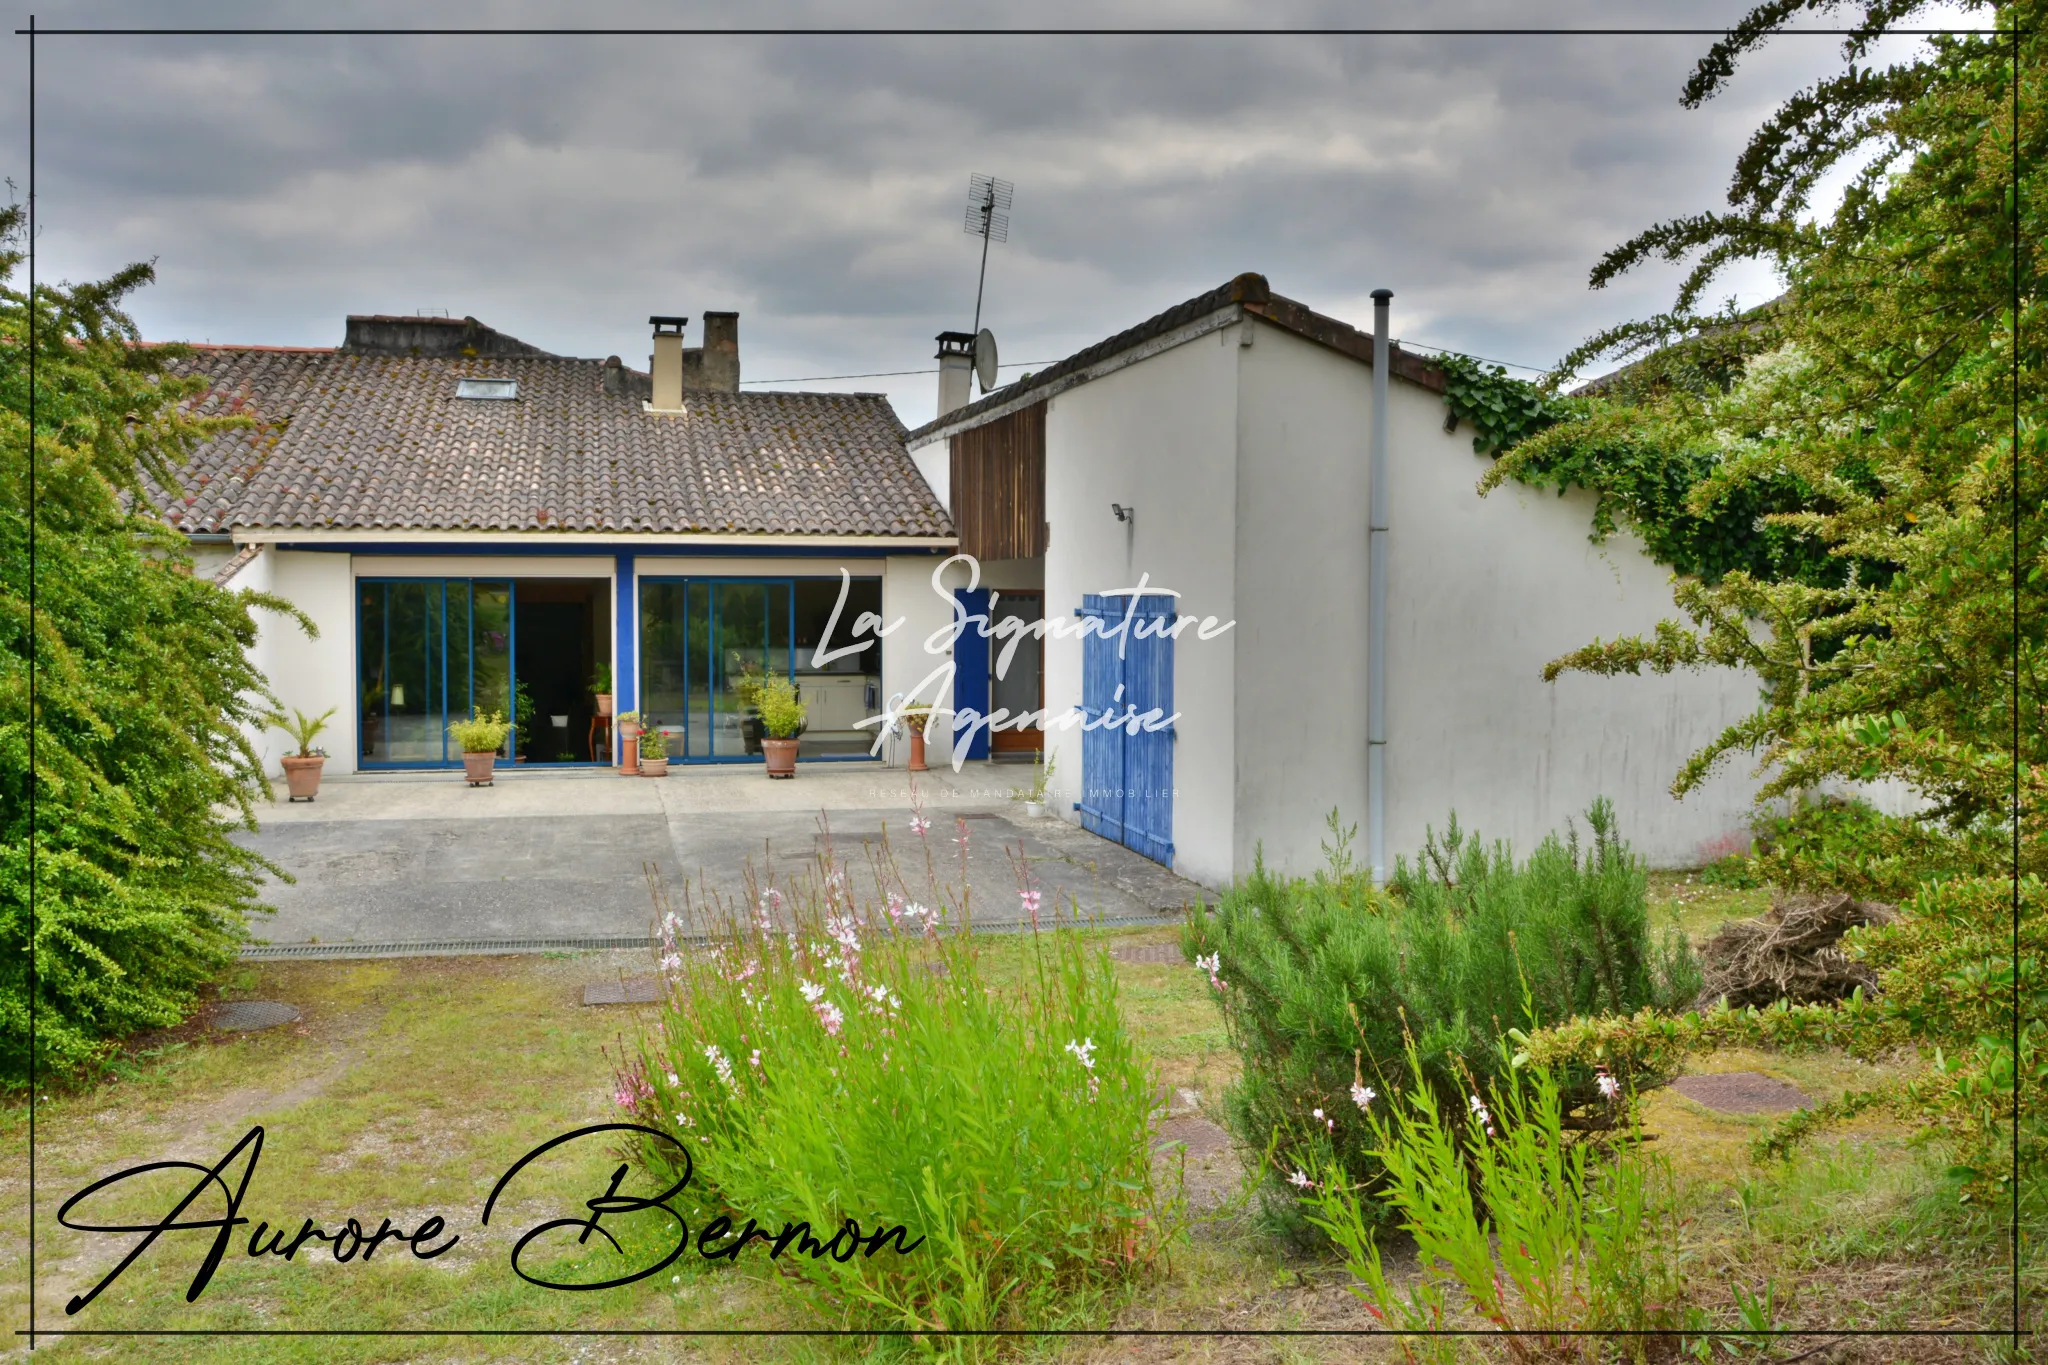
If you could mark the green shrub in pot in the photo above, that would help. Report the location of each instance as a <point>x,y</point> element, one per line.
<point>482,733</point>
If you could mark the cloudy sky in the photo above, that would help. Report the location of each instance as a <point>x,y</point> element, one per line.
<point>564,188</point>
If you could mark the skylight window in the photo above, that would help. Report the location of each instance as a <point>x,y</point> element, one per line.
<point>487,388</point>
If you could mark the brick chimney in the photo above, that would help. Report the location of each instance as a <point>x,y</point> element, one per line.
<point>720,361</point>
<point>666,364</point>
<point>956,363</point>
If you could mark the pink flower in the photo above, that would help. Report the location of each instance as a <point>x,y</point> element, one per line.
<point>918,824</point>
<point>1030,900</point>
<point>1300,1181</point>
<point>1363,1096</point>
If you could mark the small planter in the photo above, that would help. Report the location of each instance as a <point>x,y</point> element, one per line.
<point>781,756</point>
<point>478,768</point>
<point>1035,809</point>
<point>654,765</point>
<point>302,776</point>
<point>604,703</point>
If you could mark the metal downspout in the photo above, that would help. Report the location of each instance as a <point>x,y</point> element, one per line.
<point>1376,602</point>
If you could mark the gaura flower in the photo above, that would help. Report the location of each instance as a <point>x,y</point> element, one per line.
<point>918,824</point>
<point>1363,1096</point>
<point>1030,899</point>
<point>1300,1181</point>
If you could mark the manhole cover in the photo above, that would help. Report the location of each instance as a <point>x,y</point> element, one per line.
<point>1742,1092</point>
<point>633,990</point>
<point>1163,954</point>
<point>243,1016</point>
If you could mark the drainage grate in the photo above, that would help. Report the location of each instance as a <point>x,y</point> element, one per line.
<point>451,947</point>
<point>246,1016</point>
<point>443,947</point>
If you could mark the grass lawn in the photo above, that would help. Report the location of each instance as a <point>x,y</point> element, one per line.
<point>409,1087</point>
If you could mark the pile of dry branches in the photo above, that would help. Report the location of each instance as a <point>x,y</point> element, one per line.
<point>1792,953</point>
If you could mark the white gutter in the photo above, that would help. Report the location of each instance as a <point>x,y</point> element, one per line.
<point>1376,602</point>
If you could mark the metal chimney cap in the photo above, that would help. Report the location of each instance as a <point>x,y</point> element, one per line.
<point>669,324</point>
<point>1382,295</point>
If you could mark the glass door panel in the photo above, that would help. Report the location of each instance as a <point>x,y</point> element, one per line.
<point>1018,687</point>
<point>370,671</point>
<point>740,630</point>
<point>415,702</point>
<point>490,651</point>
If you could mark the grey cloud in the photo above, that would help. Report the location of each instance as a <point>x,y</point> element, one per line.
<point>562,189</point>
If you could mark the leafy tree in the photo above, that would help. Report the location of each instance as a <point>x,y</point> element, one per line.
<point>141,694</point>
<point>1886,411</point>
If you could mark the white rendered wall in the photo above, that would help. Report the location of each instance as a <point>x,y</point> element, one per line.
<point>1300,638</point>
<point>1160,435</point>
<point>309,675</point>
<point>1481,594</point>
<point>921,647</point>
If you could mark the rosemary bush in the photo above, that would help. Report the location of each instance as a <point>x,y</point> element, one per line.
<point>1324,982</point>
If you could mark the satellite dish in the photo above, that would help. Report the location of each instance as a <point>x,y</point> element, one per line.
<point>985,359</point>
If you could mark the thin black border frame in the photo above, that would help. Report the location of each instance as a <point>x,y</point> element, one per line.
<point>2012,35</point>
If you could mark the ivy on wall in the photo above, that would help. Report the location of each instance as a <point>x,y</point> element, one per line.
<point>1660,492</point>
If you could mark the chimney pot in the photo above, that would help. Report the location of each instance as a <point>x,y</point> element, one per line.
<point>666,364</point>
<point>956,363</point>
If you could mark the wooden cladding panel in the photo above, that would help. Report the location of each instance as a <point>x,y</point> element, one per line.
<point>998,486</point>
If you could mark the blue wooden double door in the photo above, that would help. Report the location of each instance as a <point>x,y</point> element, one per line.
<point>1127,739</point>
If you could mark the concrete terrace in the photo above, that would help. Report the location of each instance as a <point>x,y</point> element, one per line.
<point>419,863</point>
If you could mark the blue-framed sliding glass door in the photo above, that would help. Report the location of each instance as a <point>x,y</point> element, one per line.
<point>699,639</point>
<point>428,651</point>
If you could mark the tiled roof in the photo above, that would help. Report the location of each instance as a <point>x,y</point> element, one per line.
<point>359,442</point>
<point>1248,291</point>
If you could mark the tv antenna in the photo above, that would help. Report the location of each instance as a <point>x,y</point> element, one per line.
<point>988,217</point>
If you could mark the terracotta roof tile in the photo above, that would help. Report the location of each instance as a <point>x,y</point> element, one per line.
<point>382,443</point>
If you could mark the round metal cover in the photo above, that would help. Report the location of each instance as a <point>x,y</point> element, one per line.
<point>243,1016</point>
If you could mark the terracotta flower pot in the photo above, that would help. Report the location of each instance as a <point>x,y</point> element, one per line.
<point>604,703</point>
<point>477,768</point>
<point>302,776</point>
<point>917,749</point>
<point>781,756</point>
<point>655,765</point>
<point>629,748</point>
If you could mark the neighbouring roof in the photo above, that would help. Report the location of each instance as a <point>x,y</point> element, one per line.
<point>346,441</point>
<point>1248,291</point>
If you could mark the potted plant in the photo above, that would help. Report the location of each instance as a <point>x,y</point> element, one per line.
<point>302,770</point>
<point>915,717</point>
<point>1033,796</point>
<point>782,720</point>
<point>480,737</point>
<point>653,746</point>
<point>746,690</point>
<point>629,742</point>
<point>601,689</point>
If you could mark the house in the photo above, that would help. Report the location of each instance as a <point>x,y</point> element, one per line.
<point>471,521</point>
<point>1149,561</point>
<point>1218,456</point>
